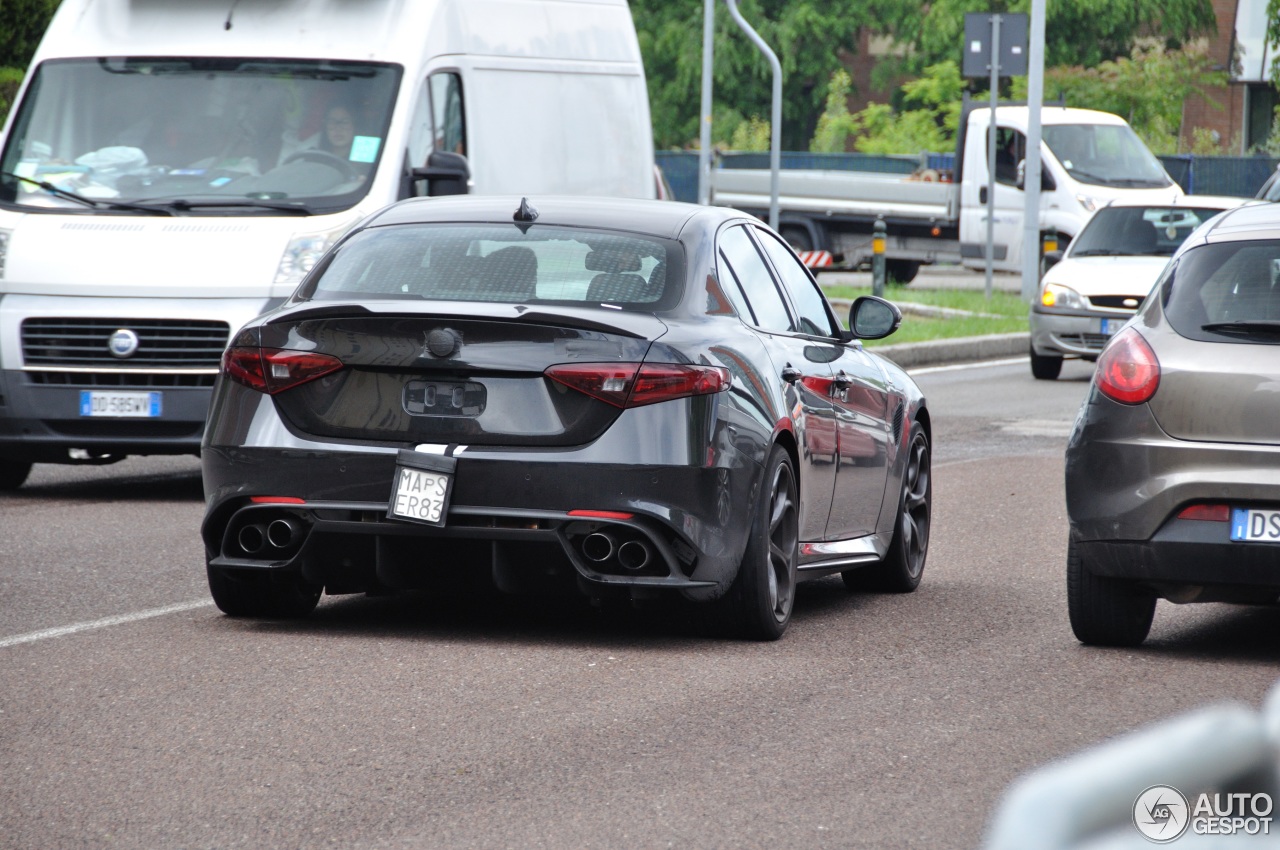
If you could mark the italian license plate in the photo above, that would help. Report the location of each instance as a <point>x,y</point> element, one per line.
<point>422,487</point>
<point>1254,526</point>
<point>121,405</point>
<point>1110,326</point>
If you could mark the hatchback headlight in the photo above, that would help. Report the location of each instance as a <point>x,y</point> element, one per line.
<point>1061,297</point>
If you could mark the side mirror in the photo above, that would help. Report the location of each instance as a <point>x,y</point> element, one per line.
<point>873,318</point>
<point>447,173</point>
<point>1047,183</point>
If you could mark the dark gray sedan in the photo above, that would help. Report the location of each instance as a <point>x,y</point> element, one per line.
<point>617,398</point>
<point>1173,467</point>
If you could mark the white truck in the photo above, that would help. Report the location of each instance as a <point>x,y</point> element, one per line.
<point>1088,159</point>
<point>172,168</point>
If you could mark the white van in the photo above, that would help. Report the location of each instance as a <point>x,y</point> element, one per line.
<point>172,168</point>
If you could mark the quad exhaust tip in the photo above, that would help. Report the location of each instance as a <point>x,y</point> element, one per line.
<point>634,555</point>
<point>598,546</point>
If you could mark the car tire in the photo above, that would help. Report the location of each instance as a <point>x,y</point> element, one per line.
<point>1105,611</point>
<point>262,595</point>
<point>901,271</point>
<point>763,593</point>
<point>13,473</point>
<point>1045,367</point>
<point>903,565</point>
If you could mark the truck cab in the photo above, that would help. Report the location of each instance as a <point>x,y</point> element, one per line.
<point>1088,159</point>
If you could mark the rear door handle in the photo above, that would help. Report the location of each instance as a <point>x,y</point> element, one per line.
<point>791,374</point>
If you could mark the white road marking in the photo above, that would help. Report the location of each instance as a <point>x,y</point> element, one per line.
<point>929,370</point>
<point>44,634</point>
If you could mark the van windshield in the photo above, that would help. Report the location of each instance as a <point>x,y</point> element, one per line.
<point>1105,155</point>
<point>230,135</point>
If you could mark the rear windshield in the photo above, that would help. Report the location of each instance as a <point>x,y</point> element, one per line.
<point>1154,231</point>
<point>498,262</point>
<point>1226,292</point>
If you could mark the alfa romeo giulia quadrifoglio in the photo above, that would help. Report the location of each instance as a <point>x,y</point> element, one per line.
<point>624,398</point>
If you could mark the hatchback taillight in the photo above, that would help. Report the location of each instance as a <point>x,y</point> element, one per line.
<point>273,370</point>
<point>1128,371</point>
<point>636,384</point>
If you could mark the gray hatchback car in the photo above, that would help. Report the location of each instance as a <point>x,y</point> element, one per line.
<point>1173,465</point>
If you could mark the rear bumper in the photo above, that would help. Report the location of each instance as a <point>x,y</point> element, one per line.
<point>1188,553</point>
<point>509,510</point>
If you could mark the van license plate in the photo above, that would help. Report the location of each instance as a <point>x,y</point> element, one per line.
<point>1252,526</point>
<point>420,495</point>
<point>121,405</point>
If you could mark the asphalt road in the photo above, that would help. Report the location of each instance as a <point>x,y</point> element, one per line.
<point>134,715</point>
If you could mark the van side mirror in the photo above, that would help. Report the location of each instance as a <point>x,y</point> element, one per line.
<point>446,173</point>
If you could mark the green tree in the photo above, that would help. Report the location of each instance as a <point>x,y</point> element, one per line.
<point>927,122</point>
<point>24,24</point>
<point>1077,32</point>
<point>809,36</point>
<point>813,38</point>
<point>1146,88</point>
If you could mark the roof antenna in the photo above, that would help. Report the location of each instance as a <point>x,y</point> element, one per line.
<point>526,212</point>
<point>232,11</point>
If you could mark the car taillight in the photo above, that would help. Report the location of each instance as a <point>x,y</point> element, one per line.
<point>1128,371</point>
<point>636,384</point>
<point>273,370</point>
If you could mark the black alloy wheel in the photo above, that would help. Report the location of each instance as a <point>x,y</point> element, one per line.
<point>903,565</point>
<point>764,592</point>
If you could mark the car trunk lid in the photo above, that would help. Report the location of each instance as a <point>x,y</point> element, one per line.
<point>456,375</point>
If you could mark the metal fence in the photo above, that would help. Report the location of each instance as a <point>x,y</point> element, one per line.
<point>1240,176</point>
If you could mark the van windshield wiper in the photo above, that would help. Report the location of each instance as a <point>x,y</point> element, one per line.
<point>183,204</point>
<point>1244,328</point>
<point>93,203</point>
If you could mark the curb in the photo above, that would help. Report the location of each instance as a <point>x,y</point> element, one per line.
<point>960,350</point>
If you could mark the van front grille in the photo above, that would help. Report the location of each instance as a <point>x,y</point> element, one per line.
<point>161,343</point>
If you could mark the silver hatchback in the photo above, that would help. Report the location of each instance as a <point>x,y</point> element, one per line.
<point>1173,465</point>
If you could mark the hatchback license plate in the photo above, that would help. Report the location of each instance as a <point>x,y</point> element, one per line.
<point>1254,526</point>
<point>421,489</point>
<point>121,405</point>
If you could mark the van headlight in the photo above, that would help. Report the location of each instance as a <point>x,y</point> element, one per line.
<point>1089,202</point>
<point>1061,297</point>
<point>304,251</point>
